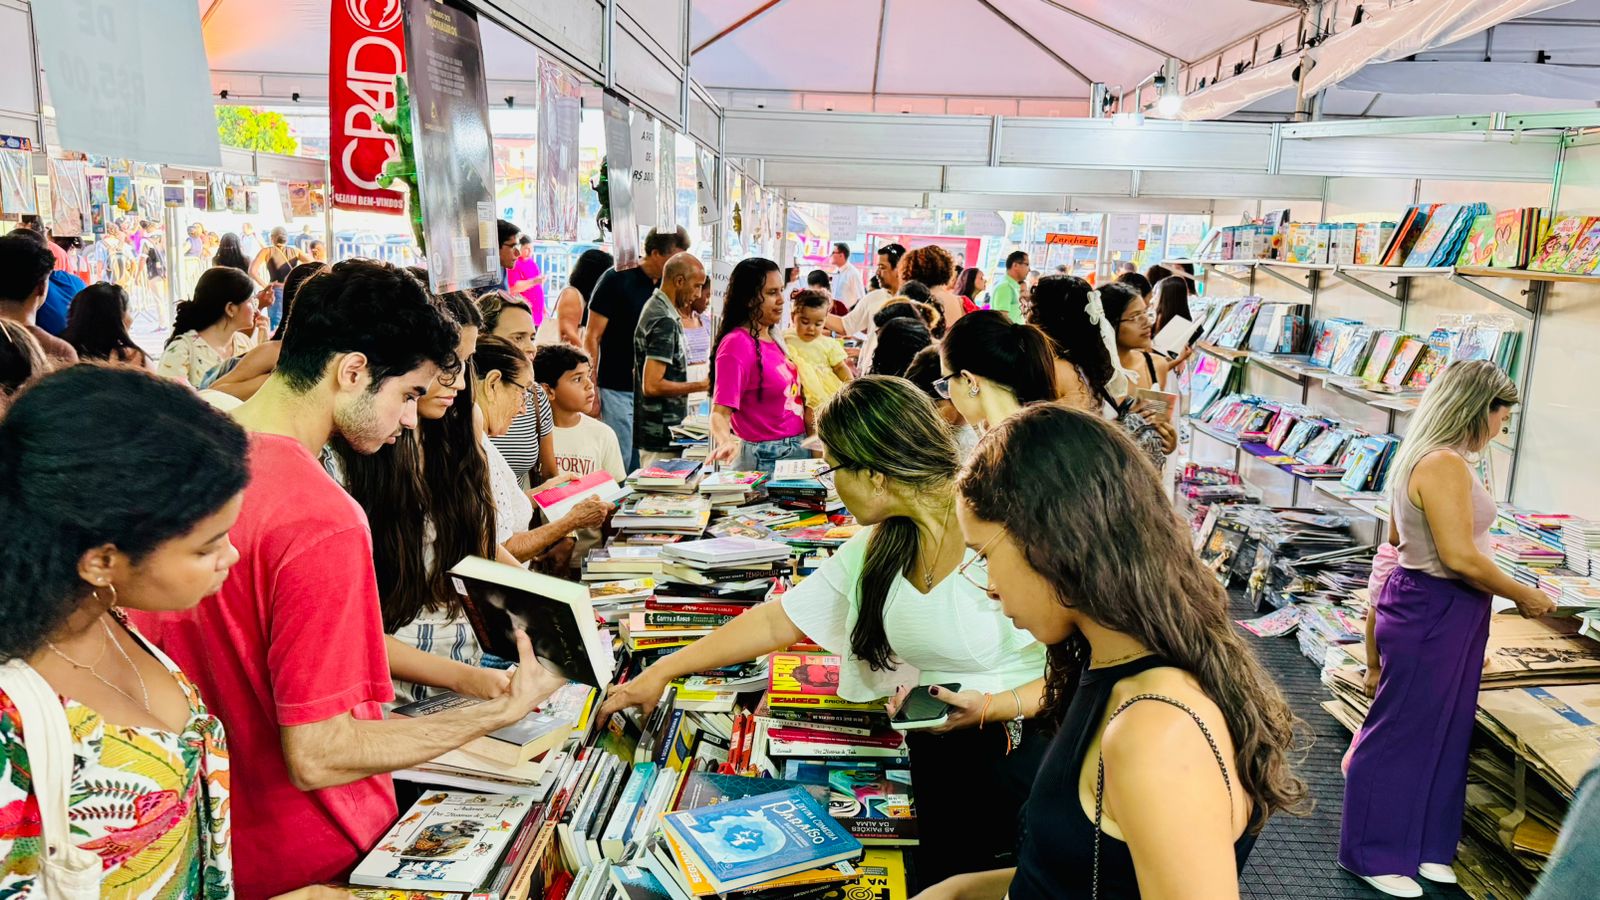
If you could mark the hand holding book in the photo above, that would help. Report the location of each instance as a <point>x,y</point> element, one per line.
<point>531,685</point>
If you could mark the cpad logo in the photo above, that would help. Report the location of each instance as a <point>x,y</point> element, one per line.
<point>386,19</point>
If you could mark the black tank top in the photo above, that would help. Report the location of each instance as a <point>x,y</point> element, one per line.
<point>279,271</point>
<point>1055,843</point>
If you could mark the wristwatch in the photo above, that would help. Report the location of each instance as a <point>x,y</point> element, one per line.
<point>1014,727</point>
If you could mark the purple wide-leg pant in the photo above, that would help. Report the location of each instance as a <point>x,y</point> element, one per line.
<point>1405,789</point>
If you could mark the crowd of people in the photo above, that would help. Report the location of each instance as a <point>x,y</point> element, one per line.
<point>212,638</point>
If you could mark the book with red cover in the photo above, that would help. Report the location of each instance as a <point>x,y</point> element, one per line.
<point>802,735</point>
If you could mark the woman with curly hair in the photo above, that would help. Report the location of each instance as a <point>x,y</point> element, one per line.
<point>933,266</point>
<point>758,413</point>
<point>1172,746</point>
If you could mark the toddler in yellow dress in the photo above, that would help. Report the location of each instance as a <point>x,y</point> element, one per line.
<point>818,357</point>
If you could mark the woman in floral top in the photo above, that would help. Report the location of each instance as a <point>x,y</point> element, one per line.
<point>149,790</point>
<point>216,327</point>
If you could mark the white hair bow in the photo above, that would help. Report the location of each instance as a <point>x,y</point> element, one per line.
<point>1119,386</point>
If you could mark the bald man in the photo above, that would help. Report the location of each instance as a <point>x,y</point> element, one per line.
<point>661,359</point>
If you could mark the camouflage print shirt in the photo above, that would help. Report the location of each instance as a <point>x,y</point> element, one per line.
<point>659,335</point>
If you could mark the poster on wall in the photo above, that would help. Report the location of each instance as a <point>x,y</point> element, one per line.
<point>450,131</point>
<point>1122,233</point>
<point>619,182</point>
<point>41,196</point>
<point>366,52</point>
<point>147,193</point>
<point>646,171</point>
<point>844,223</point>
<point>560,112</point>
<point>667,178</point>
<point>127,79</point>
<point>705,189</point>
<point>16,183</point>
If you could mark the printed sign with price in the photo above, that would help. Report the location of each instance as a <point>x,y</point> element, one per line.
<point>129,80</point>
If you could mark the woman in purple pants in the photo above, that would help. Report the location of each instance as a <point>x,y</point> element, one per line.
<point>1405,787</point>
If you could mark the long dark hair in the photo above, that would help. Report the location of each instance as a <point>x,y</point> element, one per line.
<point>1010,353</point>
<point>1086,509</point>
<point>1061,310</point>
<point>96,325</point>
<point>883,424</point>
<point>56,502</point>
<point>291,286</point>
<point>441,469</point>
<point>214,292</point>
<point>739,305</point>
<point>1172,300</point>
<point>587,269</point>
<point>230,254</point>
<point>967,283</point>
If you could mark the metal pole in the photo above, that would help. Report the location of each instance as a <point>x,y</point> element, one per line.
<point>328,243</point>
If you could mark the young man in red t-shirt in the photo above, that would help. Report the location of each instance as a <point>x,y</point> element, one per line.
<point>290,653</point>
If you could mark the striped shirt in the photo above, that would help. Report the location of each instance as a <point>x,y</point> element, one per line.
<point>520,445</point>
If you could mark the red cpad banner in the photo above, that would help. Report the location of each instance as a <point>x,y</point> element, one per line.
<point>367,52</point>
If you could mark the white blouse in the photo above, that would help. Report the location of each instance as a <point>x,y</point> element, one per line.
<point>953,633</point>
<point>513,511</point>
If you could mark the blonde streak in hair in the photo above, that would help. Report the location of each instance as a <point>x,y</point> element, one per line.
<point>1453,408</point>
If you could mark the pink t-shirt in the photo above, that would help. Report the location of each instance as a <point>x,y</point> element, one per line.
<point>758,381</point>
<point>527,270</point>
<point>295,636</point>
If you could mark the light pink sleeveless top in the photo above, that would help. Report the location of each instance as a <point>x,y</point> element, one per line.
<point>1418,551</point>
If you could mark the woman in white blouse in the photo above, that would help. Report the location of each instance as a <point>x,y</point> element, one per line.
<point>503,379</point>
<point>895,604</point>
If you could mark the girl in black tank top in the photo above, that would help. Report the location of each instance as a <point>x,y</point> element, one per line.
<point>1077,542</point>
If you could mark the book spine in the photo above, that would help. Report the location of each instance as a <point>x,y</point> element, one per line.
<point>655,619</point>
<point>668,735</point>
<point>829,727</point>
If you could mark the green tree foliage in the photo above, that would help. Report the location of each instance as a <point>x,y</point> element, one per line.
<point>252,129</point>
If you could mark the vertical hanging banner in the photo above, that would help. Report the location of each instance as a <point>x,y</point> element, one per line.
<point>646,187</point>
<point>560,112</point>
<point>366,54</point>
<point>450,131</point>
<point>619,182</point>
<point>705,188</point>
<point>667,178</point>
<point>128,80</point>
<point>844,224</point>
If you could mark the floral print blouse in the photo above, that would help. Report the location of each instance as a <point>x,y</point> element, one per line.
<point>152,803</point>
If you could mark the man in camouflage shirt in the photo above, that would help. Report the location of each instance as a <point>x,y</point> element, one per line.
<point>661,387</point>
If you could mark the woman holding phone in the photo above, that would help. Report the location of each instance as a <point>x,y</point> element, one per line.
<point>891,605</point>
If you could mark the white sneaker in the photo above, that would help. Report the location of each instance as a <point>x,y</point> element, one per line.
<point>1394,885</point>
<point>1439,872</point>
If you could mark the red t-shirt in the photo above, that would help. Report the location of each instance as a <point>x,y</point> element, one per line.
<point>295,636</point>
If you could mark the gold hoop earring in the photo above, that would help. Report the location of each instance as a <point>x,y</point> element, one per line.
<point>96,595</point>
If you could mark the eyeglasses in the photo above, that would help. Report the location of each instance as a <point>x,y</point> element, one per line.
<point>976,569</point>
<point>525,388</point>
<point>941,386</point>
<point>830,470</point>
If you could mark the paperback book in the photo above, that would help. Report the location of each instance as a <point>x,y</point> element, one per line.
<point>752,840</point>
<point>445,842</point>
<point>501,599</point>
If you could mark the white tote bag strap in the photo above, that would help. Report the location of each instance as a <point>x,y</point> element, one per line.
<point>66,871</point>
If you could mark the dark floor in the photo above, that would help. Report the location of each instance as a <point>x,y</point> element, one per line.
<point>1298,858</point>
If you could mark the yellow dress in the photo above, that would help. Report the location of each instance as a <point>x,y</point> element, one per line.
<point>815,359</point>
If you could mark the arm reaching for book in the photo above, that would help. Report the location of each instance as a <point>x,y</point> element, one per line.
<point>407,663</point>
<point>991,885</point>
<point>526,545</point>
<point>344,749</point>
<point>724,443</point>
<point>756,633</point>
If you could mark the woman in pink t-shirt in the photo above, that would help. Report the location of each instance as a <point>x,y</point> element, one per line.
<point>526,281</point>
<point>758,413</point>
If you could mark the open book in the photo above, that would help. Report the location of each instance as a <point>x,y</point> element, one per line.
<point>501,598</point>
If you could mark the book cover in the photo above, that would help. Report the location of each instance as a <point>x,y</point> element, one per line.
<point>1585,255</point>
<point>1410,228</point>
<point>446,841</point>
<point>702,789</point>
<point>1479,250</point>
<point>1557,243</point>
<point>667,471</point>
<point>1450,248</point>
<point>1383,347</point>
<point>1405,359</point>
<point>557,615</point>
<point>752,840</point>
<point>1432,361</point>
<point>812,674</point>
<point>560,500</point>
<point>1353,351</point>
<point>726,551</point>
<point>874,801</point>
<point>1433,234</point>
<point>637,883</point>
<point>521,741</point>
<point>1508,239</point>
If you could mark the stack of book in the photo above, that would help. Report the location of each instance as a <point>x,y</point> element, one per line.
<point>805,718</point>
<point>673,476</point>
<point>515,758</point>
<point>662,514</point>
<point>1518,554</point>
<point>795,486</point>
<point>730,488</point>
<point>1580,539</point>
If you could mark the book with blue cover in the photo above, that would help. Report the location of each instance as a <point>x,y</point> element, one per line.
<point>753,840</point>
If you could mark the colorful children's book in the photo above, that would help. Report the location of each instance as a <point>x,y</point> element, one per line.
<point>1585,253</point>
<point>1383,347</point>
<point>1509,239</point>
<point>1405,359</point>
<point>752,840</point>
<point>1433,235</point>
<point>1558,242</point>
<point>1352,351</point>
<point>1433,359</point>
<point>1371,240</point>
<point>1479,249</point>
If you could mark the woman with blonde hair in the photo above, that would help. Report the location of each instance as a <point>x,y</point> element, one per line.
<point>1406,781</point>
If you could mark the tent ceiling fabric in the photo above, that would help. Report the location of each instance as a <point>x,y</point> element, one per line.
<point>956,47</point>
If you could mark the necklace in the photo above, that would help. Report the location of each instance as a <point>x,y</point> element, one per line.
<point>105,647</point>
<point>1101,663</point>
<point>927,570</point>
<point>110,639</point>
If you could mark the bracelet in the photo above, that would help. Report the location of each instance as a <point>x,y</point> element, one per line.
<point>984,712</point>
<point>1014,726</point>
